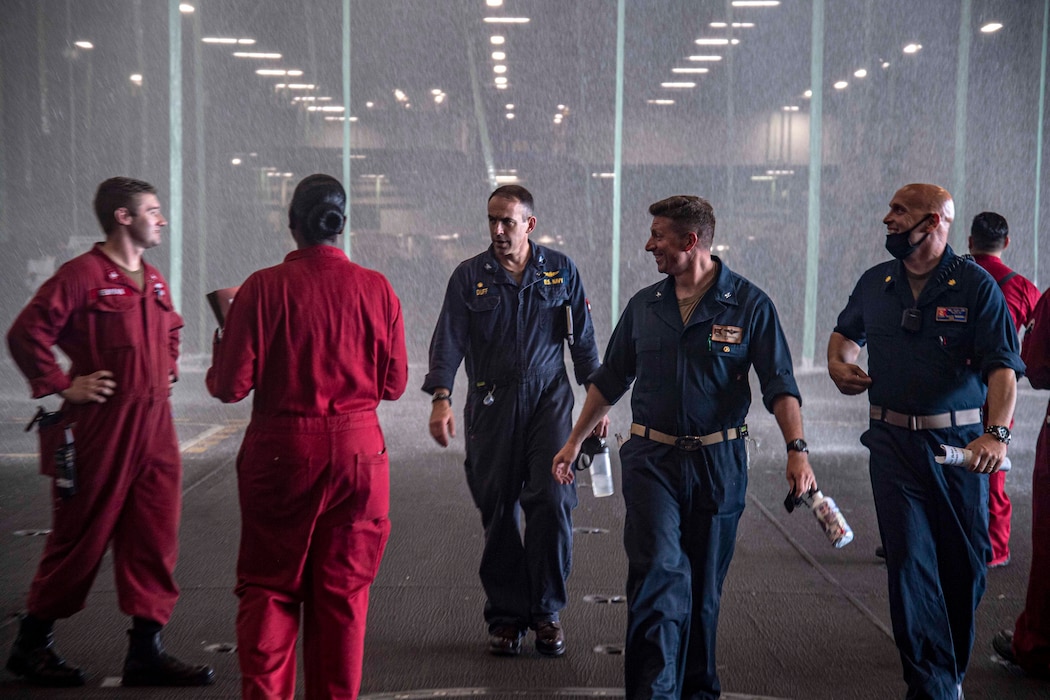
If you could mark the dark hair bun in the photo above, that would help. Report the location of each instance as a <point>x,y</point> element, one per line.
<point>324,221</point>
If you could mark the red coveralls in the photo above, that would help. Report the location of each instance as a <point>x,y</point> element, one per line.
<point>1021,297</point>
<point>1032,631</point>
<point>321,341</point>
<point>129,470</point>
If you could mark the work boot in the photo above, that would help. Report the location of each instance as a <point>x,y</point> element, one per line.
<point>148,664</point>
<point>34,657</point>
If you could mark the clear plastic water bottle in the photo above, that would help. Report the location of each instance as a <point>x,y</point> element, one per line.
<point>594,455</point>
<point>830,518</point>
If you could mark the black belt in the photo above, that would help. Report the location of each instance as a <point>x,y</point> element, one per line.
<point>689,443</point>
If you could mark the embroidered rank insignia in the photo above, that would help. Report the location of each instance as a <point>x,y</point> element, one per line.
<point>952,314</point>
<point>734,335</point>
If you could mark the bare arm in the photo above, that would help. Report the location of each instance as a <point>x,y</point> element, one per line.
<point>799,473</point>
<point>988,453</point>
<point>842,358</point>
<point>593,420</point>
<point>442,423</point>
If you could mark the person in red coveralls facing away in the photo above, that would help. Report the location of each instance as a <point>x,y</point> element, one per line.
<point>1028,645</point>
<point>111,314</point>
<point>989,237</point>
<point>321,341</point>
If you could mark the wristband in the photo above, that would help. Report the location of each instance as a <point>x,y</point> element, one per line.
<point>442,397</point>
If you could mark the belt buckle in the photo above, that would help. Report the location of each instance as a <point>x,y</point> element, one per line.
<point>689,443</point>
<point>913,422</point>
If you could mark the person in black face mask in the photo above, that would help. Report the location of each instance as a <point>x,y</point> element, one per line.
<point>940,341</point>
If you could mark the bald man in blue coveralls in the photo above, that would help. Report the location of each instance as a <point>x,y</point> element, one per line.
<point>940,338</point>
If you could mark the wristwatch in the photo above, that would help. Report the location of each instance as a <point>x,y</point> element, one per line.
<point>999,432</point>
<point>798,445</point>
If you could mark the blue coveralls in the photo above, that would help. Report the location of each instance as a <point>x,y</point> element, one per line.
<point>683,507</point>
<point>933,519</point>
<point>512,338</point>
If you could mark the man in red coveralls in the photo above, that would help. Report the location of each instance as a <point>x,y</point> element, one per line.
<point>111,314</point>
<point>321,341</point>
<point>1028,645</point>
<point>989,237</point>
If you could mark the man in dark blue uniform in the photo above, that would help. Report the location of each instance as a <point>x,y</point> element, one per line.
<point>940,338</point>
<point>687,343</point>
<point>508,312</point>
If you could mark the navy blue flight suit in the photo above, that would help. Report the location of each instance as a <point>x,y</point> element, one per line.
<point>517,414</point>
<point>683,507</point>
<point>933,518</point>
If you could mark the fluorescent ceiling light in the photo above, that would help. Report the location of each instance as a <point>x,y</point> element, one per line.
<point>271,71</point>
<point>506,20</point>
<point>841,85</point>
<point>501,80</point>
<point>885,65</point>
<point>807,94</point>
<point>755,3</point>
<point>510,115</point>
<point>705,58</point>
<point>604,176</point>
<point>690,70</point>
<point>136,78</point>
<point>762,178</point>
<point>506,179</point>
<point>913,48</point>
<point>436,91</point>
<point>440,98</point>
<point>677,86</point>
<point>246,42</point>
<point>509,106</point>
<point>255,54</point>
<point>301,86</point>
<point>712,42</point>
<point>498,56</point>
<point>862,73</point>
<point>219,40</point>
<point>499,68</point>
<point>660,102</point>
<point>83,44</point>
<point>501,86</point>
<point>493,3</point>
<point>497,40</point>
<point>235,161</point>
<point>186,8</point>
<point>991,27</point>
<point>790,108</point>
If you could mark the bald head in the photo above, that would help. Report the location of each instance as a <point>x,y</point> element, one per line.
<point>931,198</point>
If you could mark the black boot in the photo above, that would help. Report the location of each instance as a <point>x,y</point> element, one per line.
<point>34,657</point>
<point>149,665</point>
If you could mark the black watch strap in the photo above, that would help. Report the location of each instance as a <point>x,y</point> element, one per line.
<point>797,445</point>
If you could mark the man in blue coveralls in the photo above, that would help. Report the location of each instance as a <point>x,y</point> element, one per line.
<point>940,338</point>
<point>687,343</point>
<point>508,312</point>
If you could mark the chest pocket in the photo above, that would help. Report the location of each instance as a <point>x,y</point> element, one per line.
<point>484,317</point>
<point>116,321</point>
<point>649,365</point>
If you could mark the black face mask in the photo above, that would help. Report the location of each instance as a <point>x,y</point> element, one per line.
<point>899,246</point>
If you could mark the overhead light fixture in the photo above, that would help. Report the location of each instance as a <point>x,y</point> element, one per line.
<point>912,48</point>
<point>660,102</point>
<point>755,3</point>
<point>677,86</point>
<point>807,94</point>
<point>790,108</point>
<point>501,80</point>
<point>885,65</point>
<point>991,27</point>
<point>136,78</point>
<point>506,20</point>
<point>712,42</point>
<point>705,58</point>
<point>440,98</point>
<point>186,8</point>
<point>370,104</point>
<point>841,85</point>
<point>271,71</point>
<point>499,68</point>
<point>498,56</point>
<point>510,115</point>
<point>301,86</point>
<point>762,178</point>
<point>493,3</point>
<point>255,54</point>
<point>219,40</point>
<point>83,44</point>
<point>497,40</point>
<point>509,107</point>
<point>246,42</point>
<point>400,95</point>
<point>235,161</point>
<point>501,86</point>
<point>690,70</point>
<point>862,73</point>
